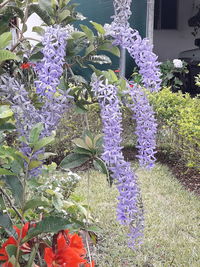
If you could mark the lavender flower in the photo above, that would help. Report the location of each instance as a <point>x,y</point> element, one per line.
<point>139,49</point>
<point>128,211</point>
<point>50,69</point>
<point>49,72</point>
<point>146,126</point>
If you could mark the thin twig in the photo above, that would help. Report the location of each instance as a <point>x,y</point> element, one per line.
<point>4,3</point>
<point>87,219</point>
<point>11,204</point>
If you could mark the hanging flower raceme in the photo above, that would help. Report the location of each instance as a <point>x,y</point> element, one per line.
<point>139,49</point>
<point>146,126</point>
<point>128,210</point>
<point>50,69</point>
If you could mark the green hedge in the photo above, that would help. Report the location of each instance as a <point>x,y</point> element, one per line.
<point>179,124</point>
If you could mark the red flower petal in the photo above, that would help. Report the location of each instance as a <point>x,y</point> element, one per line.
<point>76,243</point>
<point>49,256</point>
<point>92,264</point>
<point>25,65</point>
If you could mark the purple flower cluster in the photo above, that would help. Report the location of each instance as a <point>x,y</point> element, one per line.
<point>139,49</point>
<point>54,105</point>
<point>128,211</point>
<point>50,69</point>
<point>146,126</point>
<point>26,115</point>
<point>122,11</point>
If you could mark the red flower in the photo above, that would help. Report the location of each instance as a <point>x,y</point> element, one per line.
<point>89,264</point>
<point>3,253</point>
<point>25,66</point>
<point>12,241</point>
<point>69,251</point>
<point>116,70</point>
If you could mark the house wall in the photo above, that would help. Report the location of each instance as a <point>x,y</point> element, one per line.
<point>169,43</point>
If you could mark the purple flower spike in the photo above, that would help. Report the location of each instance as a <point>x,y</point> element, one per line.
<point>146,126</point>
<point>50,68</point>
<point>139,49</point>
<point>49,71</point>
<point>128,210</point>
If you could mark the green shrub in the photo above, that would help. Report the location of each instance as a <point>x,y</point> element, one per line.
<point>179,124</point>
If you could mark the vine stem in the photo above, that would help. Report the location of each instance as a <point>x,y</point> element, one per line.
<point>24,201</point>
<point>11,204</point>
<point>4,3</point>
<point>87,219</point>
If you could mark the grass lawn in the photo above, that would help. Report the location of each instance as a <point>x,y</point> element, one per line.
<point>172,219</point>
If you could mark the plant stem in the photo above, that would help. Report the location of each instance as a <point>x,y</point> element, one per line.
<point>4,3</point>
<point>87,219</point>
<point>24,201</point>
<point>11,204</point>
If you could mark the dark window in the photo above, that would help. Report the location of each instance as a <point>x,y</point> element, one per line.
<point>165,14</point>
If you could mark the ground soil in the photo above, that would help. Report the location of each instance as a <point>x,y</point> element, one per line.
<point>188,177</point>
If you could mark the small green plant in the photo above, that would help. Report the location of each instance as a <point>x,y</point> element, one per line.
<point>172,73</point>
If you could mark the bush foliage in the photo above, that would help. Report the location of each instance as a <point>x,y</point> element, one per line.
<point>179,123</point>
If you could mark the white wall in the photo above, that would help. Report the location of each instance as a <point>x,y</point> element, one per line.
<point>169,43</point>
<point>33,20</point>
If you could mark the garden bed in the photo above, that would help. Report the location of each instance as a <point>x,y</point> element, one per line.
<point>188,177</point>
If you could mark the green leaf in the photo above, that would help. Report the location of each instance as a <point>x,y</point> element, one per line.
<point>6,223</point>
<point>15,185</point>
<point>39,30</point>
<point>110,48</point>
<point>46,155</point>
<point>44,142</point>
<point>100,166</point>
<point>79,79</point>
<point>89,33</point>
<point>34,203</point>
<point>74,160</point>
<point>2,203</point>
<point>43,14</point>
<point>14,10</point>
<point>100,59</point>
<point>80,143</point>
<point>7,127</point>
<point>77,35</point>
<point>11,250</point>
<point>89,49</point>
<point>5,172</point>
<point>79,150</point>
<point>5,39</point>
<point>7,55</point>
<point>63,15</point>
<point>35,133</point>
<point>34,164</point>
<point>36,57</point>
<point>51,224</point>
<point>98,27</point>
<point>45,5</point>
<point>5,111</point>
<point>80,109</point>
<point>94,228</point>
